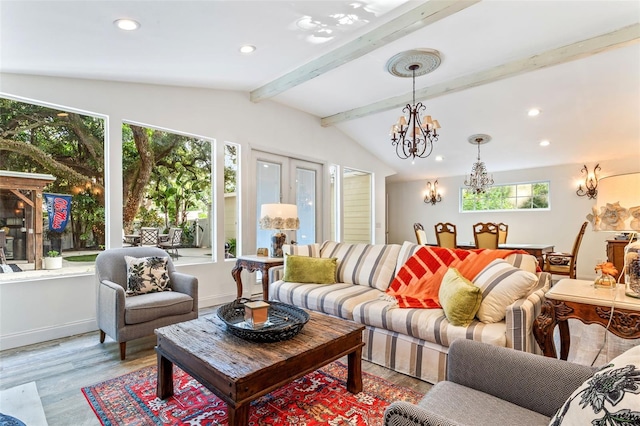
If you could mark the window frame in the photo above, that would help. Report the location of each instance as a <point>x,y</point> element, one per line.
<point>516,209</point>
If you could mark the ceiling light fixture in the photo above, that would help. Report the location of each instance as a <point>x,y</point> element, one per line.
<point>127,24</point>
<point>247,48</point>
<point>545,143</point>
<point>411,136</point>
<point>479,180</point>
<point>533,112</point>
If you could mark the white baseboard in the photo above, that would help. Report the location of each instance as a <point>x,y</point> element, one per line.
<point>29,337</point>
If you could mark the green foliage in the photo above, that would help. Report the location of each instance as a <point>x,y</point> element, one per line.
<point>53,253</point>
<point>232,247</point>
<point>149,218</point>
<point>230,168</point>
<point>508,197</point>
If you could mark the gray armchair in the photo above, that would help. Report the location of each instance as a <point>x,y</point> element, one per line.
<point>127,318</point>
<point>492,385</point>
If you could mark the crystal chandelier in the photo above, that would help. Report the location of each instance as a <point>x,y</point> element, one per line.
<point>413,136</point>
<point>479,179</point>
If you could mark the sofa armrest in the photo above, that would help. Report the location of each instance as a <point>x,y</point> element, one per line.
<point>276,273</point>
<point>521,315</point>
<point>401,413</point>
<point>187,284</point>
<point>535,382</point>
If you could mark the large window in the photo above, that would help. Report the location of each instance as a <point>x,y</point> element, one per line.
<point>167,184</point>
<point>521,196</point>
<point>231,200</point>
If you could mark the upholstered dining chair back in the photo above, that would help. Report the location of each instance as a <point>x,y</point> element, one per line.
<point>503,230</point>
<point>421,236</point>
<point>446,234</point>
<point>126,317</point>
<point>149,236</point>
<point>486,235</point>
<point>565,263</point>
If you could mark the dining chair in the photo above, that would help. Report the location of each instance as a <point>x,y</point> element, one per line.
<point>503,230</point>
<point>172,243</point>
<point>421,236</point>
<point>446,234</point>
<point>565,263</point>
<point>486,235</point>
<point>149,236</point>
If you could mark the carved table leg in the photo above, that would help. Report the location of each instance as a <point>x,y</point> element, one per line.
<point>565,339</point>
<point>543,327</point>
<point>236,273</point>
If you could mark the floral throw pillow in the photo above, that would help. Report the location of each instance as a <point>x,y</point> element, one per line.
<point>610,397</point>
<point>147,275</point>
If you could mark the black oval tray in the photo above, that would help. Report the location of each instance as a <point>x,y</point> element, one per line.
<point>285,321</point>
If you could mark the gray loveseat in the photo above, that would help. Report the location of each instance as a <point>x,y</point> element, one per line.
<point>490,385</point>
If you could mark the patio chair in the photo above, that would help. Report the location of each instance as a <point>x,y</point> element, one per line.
<point>127,317</point>
<point>149,236</point>
<point>172,243</point>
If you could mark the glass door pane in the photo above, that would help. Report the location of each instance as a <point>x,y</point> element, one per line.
<point>356,202</point>
<point>268,190</point>
<point>306,202</point>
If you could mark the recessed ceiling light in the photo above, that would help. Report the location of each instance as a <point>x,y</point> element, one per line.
<point>127,24</point>
<point>533,112</point>
<point>545,143</point>
<point>247,48</point>
<point>439,158</point>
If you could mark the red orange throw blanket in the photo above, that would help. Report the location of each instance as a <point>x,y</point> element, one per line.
<point>417,283</point>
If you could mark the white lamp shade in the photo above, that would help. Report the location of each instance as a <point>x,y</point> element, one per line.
<point>279,216</point>
<point>618,204</point>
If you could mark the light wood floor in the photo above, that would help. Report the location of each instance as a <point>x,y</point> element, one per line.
<point>62,367</point>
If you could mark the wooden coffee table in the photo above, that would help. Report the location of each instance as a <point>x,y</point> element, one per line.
<point>239,371</point>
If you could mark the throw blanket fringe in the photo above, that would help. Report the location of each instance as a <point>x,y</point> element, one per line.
<point>417,283</point>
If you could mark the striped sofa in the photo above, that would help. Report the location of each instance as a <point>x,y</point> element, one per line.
<point>411,341</point>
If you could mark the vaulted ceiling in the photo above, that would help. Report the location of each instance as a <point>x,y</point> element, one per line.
<point>577,61</point>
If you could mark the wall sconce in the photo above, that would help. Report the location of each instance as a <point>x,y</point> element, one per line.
<point>590,183</point>
<point>432,195</point>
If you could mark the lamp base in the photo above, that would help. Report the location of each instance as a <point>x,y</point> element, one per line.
<point>277,241</point>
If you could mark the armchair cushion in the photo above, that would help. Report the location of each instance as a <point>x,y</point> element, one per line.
<point>611,396</point>
<point>151,306</point>
<point>147,275</point>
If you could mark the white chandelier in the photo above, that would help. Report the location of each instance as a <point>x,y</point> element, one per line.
<point>411,135</point>
<point>479,179</point>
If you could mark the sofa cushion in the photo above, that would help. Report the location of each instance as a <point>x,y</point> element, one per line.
<point>363,264</point>
<point>151,306</point>
<point>310,250</point>
<point>501,284</point>
<point>466,406</point>
<point>304,269</point>
<point>460,299</point>
<point>333,299</point>
<point>147,275</point>
<point>611,396</point>
<point>427,324</point>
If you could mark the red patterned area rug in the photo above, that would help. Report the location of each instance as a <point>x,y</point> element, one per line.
<point>319,398</point>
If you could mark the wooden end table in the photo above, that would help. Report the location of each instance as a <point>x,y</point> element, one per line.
<point>253,263</point>
<point>239,371</point>
<point>579,299</point>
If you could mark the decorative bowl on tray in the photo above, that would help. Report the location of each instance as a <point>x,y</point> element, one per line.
<point>284,322</point>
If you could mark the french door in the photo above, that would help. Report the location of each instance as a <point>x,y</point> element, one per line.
<point>281,179</point>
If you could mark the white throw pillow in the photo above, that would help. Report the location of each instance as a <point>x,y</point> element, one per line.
<point>147,275</point>
<point>610,397</point>
<point>501,284</point>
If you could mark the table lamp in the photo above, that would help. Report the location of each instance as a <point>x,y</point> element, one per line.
<point>618,210</point>
<point>279,217</point>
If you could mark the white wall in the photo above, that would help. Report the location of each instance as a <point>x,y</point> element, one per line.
<point>33,311</point>
<point>558,226</point>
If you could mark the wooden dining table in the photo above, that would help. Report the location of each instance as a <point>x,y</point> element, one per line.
<point>537,250</point>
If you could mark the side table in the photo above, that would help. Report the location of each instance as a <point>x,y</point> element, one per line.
<point>579,299</point>
<point>253,263</point>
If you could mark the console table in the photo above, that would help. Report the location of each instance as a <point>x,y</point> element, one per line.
<point>253,263</point>
<point>579,299</point>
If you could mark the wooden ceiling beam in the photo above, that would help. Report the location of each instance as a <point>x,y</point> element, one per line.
<point>620,38</point>
<point>415,19</point>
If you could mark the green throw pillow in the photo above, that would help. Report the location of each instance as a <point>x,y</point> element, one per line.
<point>459,298</point>
<point>303,269</point>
